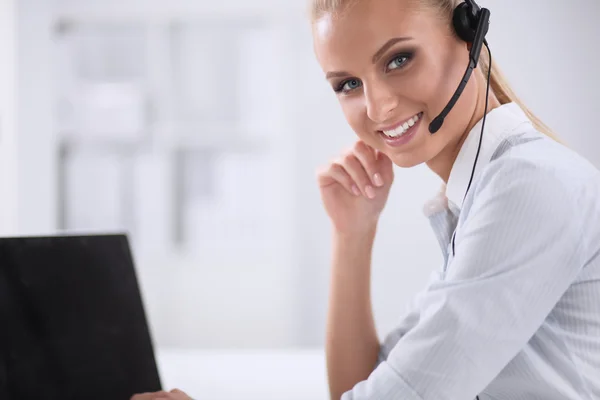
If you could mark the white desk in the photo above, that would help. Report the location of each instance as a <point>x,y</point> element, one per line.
<point>245,374</point>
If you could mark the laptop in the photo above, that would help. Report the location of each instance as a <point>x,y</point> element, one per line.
<point>72,321</point>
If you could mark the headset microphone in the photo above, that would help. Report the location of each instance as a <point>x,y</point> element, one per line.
<point>465,16</point>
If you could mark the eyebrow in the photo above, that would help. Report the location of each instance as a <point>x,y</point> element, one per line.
<point>336,74</point>
<point>376,57</point>
<point>387,45</point>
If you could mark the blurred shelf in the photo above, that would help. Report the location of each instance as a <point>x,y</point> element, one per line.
<point>217,137</point>
<point>216,143</point>
<point>97,145</point>
<point>176,108</point>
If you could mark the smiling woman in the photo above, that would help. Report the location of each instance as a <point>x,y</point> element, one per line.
<point>514,312</point>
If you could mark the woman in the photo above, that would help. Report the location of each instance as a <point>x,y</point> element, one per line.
<point>514,311</point>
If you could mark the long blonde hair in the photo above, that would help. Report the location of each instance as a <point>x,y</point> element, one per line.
<point>498,82</point>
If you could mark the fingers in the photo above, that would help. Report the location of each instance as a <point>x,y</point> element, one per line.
<point>357,172</point>
<point>174,394</point>
<point>179,395</point>
<point>150,396</point>
<point>368,158</point>
<point>338,173</point>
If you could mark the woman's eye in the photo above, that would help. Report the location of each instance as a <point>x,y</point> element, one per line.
<point>349,85</point>
<point>397,62</point>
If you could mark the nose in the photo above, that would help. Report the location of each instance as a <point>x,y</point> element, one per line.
<point>381,101</point>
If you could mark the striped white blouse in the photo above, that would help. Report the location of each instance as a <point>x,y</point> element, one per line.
<point>515,313</point>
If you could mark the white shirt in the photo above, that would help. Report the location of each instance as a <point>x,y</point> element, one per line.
<point>515,314</point>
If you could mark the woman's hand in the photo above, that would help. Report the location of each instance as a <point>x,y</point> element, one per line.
<point>174,394</point>
<point>355,187</point>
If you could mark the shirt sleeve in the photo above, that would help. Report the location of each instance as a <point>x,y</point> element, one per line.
<point>408,321</point>
<point>517,252</point>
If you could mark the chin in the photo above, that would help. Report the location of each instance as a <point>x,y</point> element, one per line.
<point>406,160</point>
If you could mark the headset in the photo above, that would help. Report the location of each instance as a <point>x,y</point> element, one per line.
<point>471,24</point>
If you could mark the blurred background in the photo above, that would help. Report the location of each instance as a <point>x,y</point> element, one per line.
<point>196,126</point>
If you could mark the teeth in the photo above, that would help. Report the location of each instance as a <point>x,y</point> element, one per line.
<point>401,130</point>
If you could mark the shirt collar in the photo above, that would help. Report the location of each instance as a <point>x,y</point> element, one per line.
<point>499,124</point>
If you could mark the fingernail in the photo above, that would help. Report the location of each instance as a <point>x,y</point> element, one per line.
<point>356,190</point>
<point>370,192</point>
<point>378,180</point>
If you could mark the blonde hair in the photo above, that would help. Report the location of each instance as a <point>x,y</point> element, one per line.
<point>498,82</point>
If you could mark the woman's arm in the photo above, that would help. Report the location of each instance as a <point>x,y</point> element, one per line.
<point>352,344</point>
<point>354,188</point>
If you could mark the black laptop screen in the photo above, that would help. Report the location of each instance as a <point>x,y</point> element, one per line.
<point>73,322</point>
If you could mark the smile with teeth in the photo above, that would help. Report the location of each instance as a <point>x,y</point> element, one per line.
<point>403,128</point>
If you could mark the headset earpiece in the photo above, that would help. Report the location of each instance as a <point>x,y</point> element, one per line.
<point>464,20</point>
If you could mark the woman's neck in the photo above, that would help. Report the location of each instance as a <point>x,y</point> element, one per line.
<point>443,162</point>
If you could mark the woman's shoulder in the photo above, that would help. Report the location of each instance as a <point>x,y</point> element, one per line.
<point>534,155</point>
<point>543,171</point>
<point>540,186</point>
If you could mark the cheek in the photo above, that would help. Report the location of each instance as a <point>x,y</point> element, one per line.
<point>432,85</point>
<point>435,78</point>
<point>356,115</point>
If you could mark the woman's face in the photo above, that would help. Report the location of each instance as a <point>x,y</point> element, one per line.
<point>395,65</point>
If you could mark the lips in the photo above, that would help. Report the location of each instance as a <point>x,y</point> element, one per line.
<point>403,127</point>
<point>402,135</point>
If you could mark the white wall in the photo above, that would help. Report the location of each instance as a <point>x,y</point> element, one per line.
<point>549,51</point>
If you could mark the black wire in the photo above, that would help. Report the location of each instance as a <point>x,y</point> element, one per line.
<point>487,96</point>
